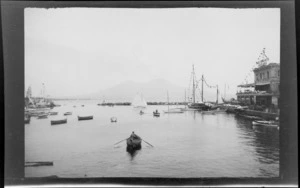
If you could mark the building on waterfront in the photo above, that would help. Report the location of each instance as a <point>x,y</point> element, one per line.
<point>265,89</point>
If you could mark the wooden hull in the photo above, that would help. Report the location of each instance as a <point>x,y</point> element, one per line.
<point>250,117</point>
<point>44,116</point>
<point>198,106</point>
<point>134,144</point>
<point>85,118</point>
<point>57,122</point>
<point>68,113</point>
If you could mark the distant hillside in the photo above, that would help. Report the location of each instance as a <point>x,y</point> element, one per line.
<point>155,90</point>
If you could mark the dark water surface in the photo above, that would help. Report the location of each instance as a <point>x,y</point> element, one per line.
<point>190,144</point>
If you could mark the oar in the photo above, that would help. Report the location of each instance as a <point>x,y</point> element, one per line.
<point>147,143</point>
<point>120,141</point>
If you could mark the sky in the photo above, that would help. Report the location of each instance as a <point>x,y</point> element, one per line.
<point>76,51</point>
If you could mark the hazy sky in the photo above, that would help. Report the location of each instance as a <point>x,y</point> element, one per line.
<point>82,50</point>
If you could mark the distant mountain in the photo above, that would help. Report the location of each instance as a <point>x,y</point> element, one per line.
<point>154,90</point>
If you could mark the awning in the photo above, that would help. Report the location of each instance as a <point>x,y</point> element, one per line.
<point>246,85</point>
<point>262,84</point>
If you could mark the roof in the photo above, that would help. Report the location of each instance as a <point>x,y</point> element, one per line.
<point>247,85</point>
<point>261,84</point>
<point>267,66</point>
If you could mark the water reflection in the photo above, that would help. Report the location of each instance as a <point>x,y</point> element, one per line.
<point>264,139</point>
<point>132,153</point>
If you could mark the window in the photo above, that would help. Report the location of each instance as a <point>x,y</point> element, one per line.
<point>260,75</point>
<point>279,73</point>
<point>268,74</point>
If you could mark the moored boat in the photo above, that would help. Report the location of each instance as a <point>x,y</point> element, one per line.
<point>58,121</point>
<point>250,117</point>
<point>265,123</point>
<point>68,113</point>
<point>53,113</point>
<point>42,116</point>
<point>85,117</point>
<point>27,120</point>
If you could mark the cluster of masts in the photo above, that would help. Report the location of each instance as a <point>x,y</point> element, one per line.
<point>195,85</point>
<point>42,95</point>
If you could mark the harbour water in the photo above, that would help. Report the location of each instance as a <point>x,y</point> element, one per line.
<point>188,144</point>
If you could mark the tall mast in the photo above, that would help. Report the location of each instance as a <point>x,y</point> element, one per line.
<point>193,84</point>
<point>217,94</point>
<point>202,89</point>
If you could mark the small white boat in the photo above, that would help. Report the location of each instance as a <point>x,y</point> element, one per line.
<point>113,119</point>
<point>139,101</point>
<point>266,123</point>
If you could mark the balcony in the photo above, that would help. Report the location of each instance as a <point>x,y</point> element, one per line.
<point>254,93</point>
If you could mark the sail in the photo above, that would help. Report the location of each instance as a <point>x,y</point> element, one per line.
<point>139,101</point>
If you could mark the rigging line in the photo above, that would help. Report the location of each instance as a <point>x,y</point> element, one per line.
<point>209,85</point>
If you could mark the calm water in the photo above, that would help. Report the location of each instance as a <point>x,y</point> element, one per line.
<point>185,145</point>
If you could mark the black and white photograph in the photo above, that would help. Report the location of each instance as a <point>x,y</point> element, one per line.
<point>152,92</point>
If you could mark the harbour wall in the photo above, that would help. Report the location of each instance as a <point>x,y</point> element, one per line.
<point>264,115</point>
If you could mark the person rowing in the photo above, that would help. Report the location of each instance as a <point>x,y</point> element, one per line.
<point>134,136</point>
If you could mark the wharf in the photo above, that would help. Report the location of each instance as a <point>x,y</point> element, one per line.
<point>264,115</point>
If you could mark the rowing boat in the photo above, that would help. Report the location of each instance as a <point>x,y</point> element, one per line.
<point>134,143</point>
<point>84,117</point>
<point>156,114</point>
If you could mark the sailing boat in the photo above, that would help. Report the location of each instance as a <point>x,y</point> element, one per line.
<point>139,101</point>
<point>173,110</point>
<point>194,104</point>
